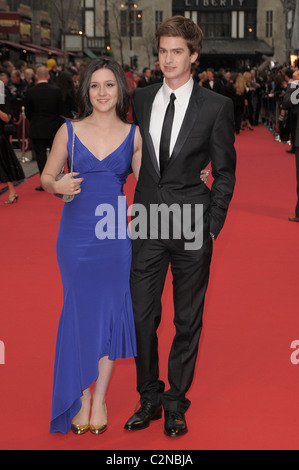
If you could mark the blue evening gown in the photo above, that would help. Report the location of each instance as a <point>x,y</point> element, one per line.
<point>97,315</point>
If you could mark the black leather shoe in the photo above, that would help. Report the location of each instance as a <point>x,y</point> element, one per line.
<point>175,424</point>
<point>141,419</point>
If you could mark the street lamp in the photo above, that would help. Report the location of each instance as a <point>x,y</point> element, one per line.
<point>131,5</point>
<point>107,31</point>
<point>289,7</point>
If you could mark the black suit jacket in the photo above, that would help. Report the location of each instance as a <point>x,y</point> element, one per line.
<point>44,108</point>
<point>207,134</point>
<point>293,104</point>
<point>143,82</point>
<point>218,86</point>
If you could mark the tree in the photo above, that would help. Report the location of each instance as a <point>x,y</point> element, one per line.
<point>66,11</point>
<point>148,42</point>
<point>119,36</point>
<point>115,29</point>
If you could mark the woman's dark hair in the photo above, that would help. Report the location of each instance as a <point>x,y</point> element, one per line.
<point>65,82</point>
<point>84,105</point>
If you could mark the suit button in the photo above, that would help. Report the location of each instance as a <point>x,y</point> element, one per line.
<point>160,186</point>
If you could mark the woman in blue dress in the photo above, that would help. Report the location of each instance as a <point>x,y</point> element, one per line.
<point>96,325</point>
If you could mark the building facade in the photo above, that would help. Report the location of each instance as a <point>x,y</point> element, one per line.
<point>125,28</point>
<point>32,30</point>
<point>275,26</point>
<point>238,34</point>
<point>230,30</point>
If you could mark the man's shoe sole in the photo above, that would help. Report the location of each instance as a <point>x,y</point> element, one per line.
<point>137,428</point>
<point>176,434</point>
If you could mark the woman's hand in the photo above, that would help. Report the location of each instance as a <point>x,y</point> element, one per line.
<point>68,185</point>
<point>204,175</point>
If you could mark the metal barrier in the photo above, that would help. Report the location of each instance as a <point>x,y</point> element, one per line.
<point>272,116</point>
<point>269,112</point>
<point>22,133</point>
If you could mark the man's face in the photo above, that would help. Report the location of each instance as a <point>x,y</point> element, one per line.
<point>175,60</point>
<point>210,75</point>
<point>15,79</point>
<point>10,67</point>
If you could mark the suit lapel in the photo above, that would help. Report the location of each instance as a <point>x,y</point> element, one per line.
<point>190,118</point>
<point>188,122</point>
<point>147,120</point>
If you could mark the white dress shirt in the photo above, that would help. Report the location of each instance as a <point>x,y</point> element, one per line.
<point>161,101</point>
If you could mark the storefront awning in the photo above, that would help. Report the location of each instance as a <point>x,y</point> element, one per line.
<point>236,47</point>
<point>23,47</point>
<point>89,53</point>
<point>51,50</point>
<point>60,51</point>
<point>48,50</point>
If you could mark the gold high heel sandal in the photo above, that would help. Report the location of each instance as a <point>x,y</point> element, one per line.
<point>79,429</point>
<point>12,199</point>
<point>97,430</point>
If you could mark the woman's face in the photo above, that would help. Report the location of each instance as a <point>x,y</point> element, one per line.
<point>103,91</point>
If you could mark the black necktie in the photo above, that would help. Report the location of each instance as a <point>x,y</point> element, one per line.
<point>166,134</point>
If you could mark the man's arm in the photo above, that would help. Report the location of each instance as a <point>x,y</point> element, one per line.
<point>223,159</point>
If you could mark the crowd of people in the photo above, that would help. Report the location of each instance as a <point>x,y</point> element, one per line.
<point>257,96</point>
<point>45,106</point>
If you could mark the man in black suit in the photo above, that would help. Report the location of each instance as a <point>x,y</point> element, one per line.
<point>293,117</point>
<point>145,80</point>
<point>43,108</point>
<point>291,100</point>
<point>183,127</point>
<point>212,83</point>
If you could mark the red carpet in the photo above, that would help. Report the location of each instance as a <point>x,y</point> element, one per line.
<point>245,391</point>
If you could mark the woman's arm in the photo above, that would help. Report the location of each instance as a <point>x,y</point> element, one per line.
<point>56,161</point>
<point>136,160</point>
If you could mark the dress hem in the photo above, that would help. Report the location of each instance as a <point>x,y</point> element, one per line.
<point>77,409</point>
